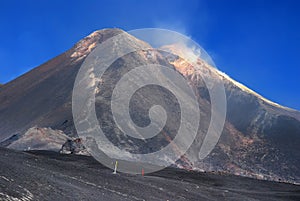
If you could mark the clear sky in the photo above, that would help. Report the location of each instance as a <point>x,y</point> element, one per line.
<point>256,42</point>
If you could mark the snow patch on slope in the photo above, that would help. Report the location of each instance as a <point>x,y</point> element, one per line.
<point>249,91</point>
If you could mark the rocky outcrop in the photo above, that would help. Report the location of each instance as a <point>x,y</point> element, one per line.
<point>38,139</point>
<point>73,146</point>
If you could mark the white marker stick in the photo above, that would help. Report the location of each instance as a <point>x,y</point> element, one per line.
<point>116,166</point>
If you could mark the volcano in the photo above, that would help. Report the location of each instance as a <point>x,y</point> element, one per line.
<point>260,138</point>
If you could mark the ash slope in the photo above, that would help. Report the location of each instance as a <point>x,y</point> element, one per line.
<point>260,138</point>
<point>44,175</point>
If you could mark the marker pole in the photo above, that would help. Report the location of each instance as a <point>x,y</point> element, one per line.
<point>116,166</point>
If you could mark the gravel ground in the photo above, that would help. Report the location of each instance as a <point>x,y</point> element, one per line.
<point>43,175</point>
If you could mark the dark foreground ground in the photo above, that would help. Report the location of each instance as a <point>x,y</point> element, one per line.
<point>45,175</point>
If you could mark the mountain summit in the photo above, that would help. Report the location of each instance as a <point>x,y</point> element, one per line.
<point>260,139</point>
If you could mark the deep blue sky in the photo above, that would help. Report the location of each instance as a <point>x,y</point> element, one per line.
<point>256,42</point>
